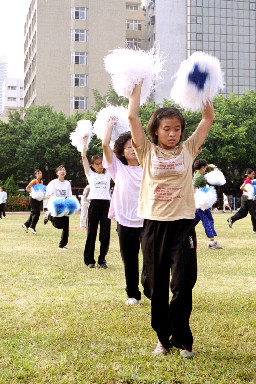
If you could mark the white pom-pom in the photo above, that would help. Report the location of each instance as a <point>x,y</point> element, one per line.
<point>57,207</point>
<point>128,67</point>
<point>83,129</point>
<point>121,125</point>
<point>198,79</point>
<point>250,191</point>
<point>205,197</point>
<point>215,178</point>
<point>38,191</point>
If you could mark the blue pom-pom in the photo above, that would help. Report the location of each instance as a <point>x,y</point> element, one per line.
<point>39,187</point>
<point>72,205</point>
<point>198,78</point>
<point>59,206</point>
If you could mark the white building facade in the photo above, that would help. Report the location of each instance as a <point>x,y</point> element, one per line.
<point>223,28</point>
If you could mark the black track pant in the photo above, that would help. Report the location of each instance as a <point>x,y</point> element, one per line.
<point>61,223</point>
<point>170,247</point>
<point>129,241</point>
<point>246,206</point>
<point>35,213</point>
<point>97,214</point>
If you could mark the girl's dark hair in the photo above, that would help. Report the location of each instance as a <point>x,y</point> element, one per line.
<point>119,146</point>
<point>164,113</point>
<point>36,171</point>
<point>199,164</point>
<point>93,159</point>
<point>59,167</point>
<point>249,171</point>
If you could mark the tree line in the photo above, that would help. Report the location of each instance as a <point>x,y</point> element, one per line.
<point>41,139</point>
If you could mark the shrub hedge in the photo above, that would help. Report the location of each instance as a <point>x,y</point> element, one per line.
<point>17,203</point>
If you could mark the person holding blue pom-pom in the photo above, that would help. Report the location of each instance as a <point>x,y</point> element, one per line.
<point>32,221</point>
<point>58,190</point>
<point>199,181</point>
<point>167,205</point>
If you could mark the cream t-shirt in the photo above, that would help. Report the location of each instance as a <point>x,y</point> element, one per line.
<point>166,192</point>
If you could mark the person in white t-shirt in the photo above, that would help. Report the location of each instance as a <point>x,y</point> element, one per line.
<point>84,207</point>
<point>167,205</point>
<point>3,198</point>
<point>99,196</point>
<point>126,172</point>
<point>59,188</point>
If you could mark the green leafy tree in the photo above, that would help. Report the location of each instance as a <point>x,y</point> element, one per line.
<point>10,186</point>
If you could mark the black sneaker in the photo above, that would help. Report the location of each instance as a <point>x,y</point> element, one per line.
<point>102,265</point>
<point>229,222</point>
<point>46,218</point>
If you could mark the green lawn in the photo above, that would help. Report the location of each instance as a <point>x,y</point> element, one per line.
<point>64,323</point>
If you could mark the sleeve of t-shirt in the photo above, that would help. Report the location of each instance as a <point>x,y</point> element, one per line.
<point>69,190</point>
<point>49,189</point>
<point>192,145</point>
<point>142,150</point>
<point>111,168</point>
<point>32,182</point>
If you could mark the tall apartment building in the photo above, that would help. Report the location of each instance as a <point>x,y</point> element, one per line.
<point>3,74</point>
<point>223,28</point>
<point>13,96</point>
<point>65,44</point>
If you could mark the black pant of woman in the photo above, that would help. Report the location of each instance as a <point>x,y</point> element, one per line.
<point>97,214</point>
<point>129,241</point>
<point>35,213</point>
<point>246,206</point>
<point>170,246</point>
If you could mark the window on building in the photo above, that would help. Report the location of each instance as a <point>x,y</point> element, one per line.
<point>79,35</point>
<point>132,7</point>
<point>133,43</point>
<point>11,98</point>
<point>78,80</point>
<point>133,25</point>
<point>79,58</point>
<point>79,13</point>
<point>11,88</point>
<point>79,102</point>
<point>152,20</point>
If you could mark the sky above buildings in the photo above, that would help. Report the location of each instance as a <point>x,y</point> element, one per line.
<point>12,18</point>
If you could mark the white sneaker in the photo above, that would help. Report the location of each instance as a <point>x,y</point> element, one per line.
<point>187,354</point>
<point>24,227</point>
<point>132,301</point>
<point>64,248</point>
<point>160,350</point>
<point>33,231</point>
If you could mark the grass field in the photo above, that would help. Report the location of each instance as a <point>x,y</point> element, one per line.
<point>64,323</point>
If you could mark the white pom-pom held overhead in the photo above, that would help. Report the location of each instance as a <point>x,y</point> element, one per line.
<point>121,125</point>
<point>215,177</point>
<point>128,67</point>
<point>83,129</point>
<point>205,197</point>
<point>198,79</point>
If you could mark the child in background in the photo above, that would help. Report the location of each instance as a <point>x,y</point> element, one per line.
<point>3,198</point>
<point>124,168</point>
<point>247,205</point>
<point>226,203</point>
<point>99,196</point>
<point>59,188</point>
<point>34,204</point>
<point>84,207</point>
<point>168,207</point>
<point>199,181</point>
